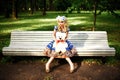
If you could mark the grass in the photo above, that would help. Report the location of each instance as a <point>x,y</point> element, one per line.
<point>77,22</point>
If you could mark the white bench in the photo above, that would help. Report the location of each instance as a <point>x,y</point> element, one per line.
<point>32,43</point>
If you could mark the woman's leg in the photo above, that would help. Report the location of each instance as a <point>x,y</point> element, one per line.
<point>47,66</point>
<point>71,64</point>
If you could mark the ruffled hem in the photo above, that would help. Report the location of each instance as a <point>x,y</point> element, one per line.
<point>52,53</point>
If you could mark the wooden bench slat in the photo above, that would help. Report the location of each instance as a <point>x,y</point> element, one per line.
<point>72,34</point>
<point>70,37</point>
<point>38,52</point>
<point>75,42</point>
<point>99,43</point>
<point>39,48</point>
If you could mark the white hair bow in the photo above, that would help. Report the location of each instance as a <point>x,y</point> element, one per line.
<point>61,18</point>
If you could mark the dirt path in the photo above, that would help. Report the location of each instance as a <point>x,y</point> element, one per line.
<point>36,71</point>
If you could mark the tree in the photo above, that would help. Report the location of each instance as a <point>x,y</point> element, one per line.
<point>76,4</point>
<point>10,8</point>
<point>31,6</point>
<point>44,7</point>
<point>95,14</point>
<point>7,8</point>
<point>51,5</point>
<point>62,5</point>
<point>14,9</point>
<point>110,6</point>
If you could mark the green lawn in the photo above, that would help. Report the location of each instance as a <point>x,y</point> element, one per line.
<point>77,22</point>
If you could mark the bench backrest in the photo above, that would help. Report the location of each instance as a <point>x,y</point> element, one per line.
<point>82,39</point>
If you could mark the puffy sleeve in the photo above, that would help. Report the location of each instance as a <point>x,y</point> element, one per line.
<point>68,29</point>
<point>55,28</point>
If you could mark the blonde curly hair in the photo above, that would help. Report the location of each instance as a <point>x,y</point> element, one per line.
<point>62,19</point>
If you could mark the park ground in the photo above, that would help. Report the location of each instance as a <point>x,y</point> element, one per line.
<point>35,70</point>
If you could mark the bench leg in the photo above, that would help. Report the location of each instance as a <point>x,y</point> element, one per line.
<point>47,66</point>
<point>71,64</point>
<point>103,60</point>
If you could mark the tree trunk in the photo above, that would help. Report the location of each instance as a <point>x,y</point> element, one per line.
<point>13,10</point>
<point>16,8</point>
<point>44,8</point>
<point>50,5</point>
<point>95,15</point>
<point>32,7</point>
<point>7,9</point>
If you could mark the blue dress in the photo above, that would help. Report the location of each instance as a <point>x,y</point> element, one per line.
<point>50,50</point>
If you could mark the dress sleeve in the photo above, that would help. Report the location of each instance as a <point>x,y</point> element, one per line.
<point>55,28</point>
<point>68,29</point>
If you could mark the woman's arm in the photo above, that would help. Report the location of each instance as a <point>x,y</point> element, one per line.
<point>54,34</point>
<point>66,35</point>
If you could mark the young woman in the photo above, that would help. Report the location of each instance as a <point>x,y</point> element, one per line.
<point>62,27</point>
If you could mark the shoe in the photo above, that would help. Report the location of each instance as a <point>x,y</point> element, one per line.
<point>75,67</point>
<point>72,70</point>
<point>47,70</point>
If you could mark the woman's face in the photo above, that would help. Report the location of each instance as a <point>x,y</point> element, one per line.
<point>61,23</point>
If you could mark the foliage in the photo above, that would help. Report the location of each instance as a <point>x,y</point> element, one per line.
<point>8,8</point>
<point>49,77</point>
<point>6,59</point>
<point>62,5</point>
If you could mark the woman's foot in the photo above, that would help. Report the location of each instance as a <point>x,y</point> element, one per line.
<point>47,69</point>
<point>47,65</point>
<point>71,70</point>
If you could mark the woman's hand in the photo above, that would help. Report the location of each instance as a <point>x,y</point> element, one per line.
<point>56,40</point>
